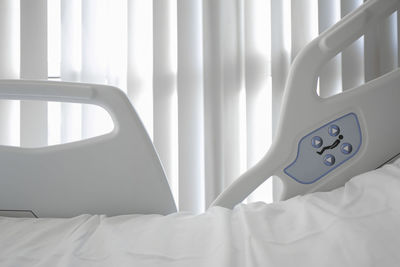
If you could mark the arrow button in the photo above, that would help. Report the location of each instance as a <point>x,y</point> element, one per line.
<point>329,160</point>
<point>333,130</point>
<point>316,142</point>
<point>346,148</point>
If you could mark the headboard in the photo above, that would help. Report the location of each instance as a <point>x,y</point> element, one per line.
<point>112,174</point>
<point>322,142</point>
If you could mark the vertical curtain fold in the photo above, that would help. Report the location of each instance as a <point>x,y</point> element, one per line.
<point>190,105</point>
<point>232,85</point>
<point>213,101</point>
<point>71,66</point>
<point>330,79</point>
<point>280,64</point>
<point>140,59</point>
<point>164,87</point>
<point>223,84</point>
<point>398,36</point>
<point>388,50</point>
<point>95,62</point>
<point>304,24</point>
<point>353,55</point>
<point>9,69</point>
<point>257,62</point>
<point>116,29</point>
<point>33,65</point>
<point>380,48</point>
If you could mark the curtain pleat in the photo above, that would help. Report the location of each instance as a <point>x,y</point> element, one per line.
<point>398,36</point>
<point>140,59</point>
<point>280,64</point>
<point>381,48</point>
<point>164,87</point>
<point>257,62</point>
<point>95,62</point>
<point>330,79</point>
<point>33,66</point>
<point>116,29</point>
<point>223,83</point>
<point>280,53</point>
<point>71,66</point>
<point>388,51</point>
<point>232,85</point>
<point>9,69</point>
<point>353,55</point>
<point>213,101</point>
<point>71,36</point>
<point>304,24</point>
<point>190,105</point>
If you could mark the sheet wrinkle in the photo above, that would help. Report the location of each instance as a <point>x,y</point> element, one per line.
<point>352,226</point>
<point>95,241</point>
<point>77,227</point>
<point>60,250</point>
<point>279,231</point>
<point>184,224</point>
<point>342,212</point>
<point>153,256</point>
<point>348,210</point>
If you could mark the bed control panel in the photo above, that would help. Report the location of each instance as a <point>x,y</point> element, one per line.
<point>325,149</point>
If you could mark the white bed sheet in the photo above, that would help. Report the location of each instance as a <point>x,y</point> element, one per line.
<point>357,225</point>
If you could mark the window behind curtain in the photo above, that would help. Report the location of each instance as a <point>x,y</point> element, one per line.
<point>206,77</point>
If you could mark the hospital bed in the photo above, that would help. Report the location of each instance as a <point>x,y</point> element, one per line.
<point>76,189</point>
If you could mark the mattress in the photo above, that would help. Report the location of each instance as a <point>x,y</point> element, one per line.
<point>356,225</point>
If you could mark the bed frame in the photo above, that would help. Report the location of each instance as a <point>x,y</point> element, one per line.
<point>112,174</point>
<point>321,142</point>
<point>356,131</point>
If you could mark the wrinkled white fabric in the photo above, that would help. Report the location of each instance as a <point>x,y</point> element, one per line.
<point>357,225</point>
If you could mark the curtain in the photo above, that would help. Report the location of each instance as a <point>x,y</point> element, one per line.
<point>206,77</point>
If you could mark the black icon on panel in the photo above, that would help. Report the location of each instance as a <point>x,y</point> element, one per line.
<point>334,144</point>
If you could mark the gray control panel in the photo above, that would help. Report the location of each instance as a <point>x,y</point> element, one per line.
<point>325,149</point>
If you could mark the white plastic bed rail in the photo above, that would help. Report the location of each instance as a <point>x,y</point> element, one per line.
<point>375,104</point>
<point>116,173</point>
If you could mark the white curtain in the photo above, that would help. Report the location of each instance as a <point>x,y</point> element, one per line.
<point>206,76</point>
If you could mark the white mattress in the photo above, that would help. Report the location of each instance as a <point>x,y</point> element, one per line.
<point>358,225</point>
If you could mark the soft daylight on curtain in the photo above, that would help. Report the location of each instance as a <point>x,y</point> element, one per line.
<point>206,77</point>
